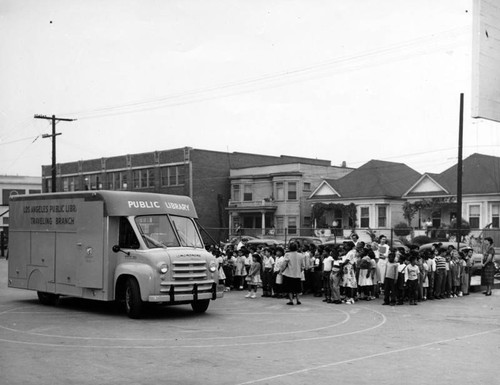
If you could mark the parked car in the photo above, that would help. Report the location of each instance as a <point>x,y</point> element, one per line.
<point>476,260</point>
<point>235,240</point>
<point>397,243</point>
<point>335,242</point>
<point>301,241</point>
<point>266,242</point>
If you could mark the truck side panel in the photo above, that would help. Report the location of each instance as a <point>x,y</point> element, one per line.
<point>90,245</point>
<point>20,247</point>
<point>66,251</point>
<point>43,252</point>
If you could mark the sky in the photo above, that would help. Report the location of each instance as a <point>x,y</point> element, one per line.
<point>346,81</point>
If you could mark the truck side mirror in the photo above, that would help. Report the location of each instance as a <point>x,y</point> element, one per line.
<point>117,249</point>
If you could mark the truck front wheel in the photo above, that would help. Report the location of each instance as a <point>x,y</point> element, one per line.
<point>133,302</point>
<point>200,306</point>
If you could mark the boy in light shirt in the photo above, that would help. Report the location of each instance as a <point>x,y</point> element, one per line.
<point>411,278</point>
<point>391,277</point>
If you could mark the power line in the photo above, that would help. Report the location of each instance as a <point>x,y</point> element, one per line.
<point>234,87</point>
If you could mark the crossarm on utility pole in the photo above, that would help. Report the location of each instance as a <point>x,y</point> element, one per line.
<point>53,118</point>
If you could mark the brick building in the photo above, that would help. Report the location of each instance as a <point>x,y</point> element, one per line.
<point>201,174</point>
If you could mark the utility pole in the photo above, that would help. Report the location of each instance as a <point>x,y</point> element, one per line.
<point>459,170</point>
<point>53,136</point>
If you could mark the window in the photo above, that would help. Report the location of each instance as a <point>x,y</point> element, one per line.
<point>136,179</point>
<point>307,186</point>
<point>181,178</point>
<point>365,217</point>
<point>495,215</point>
<point>292,225</point>
<point>90,182</point>
<point>292,191</point>
<point>48,184</point>
<point>474,216</point>
<point>127,238</point>
<point>172,176</point>
<point>280,225</point>
<point>123,181</point>
<point>436,219</point>
<point>247,193</point>
<point>113,181</point>
<point>236,193</point>
<point>187,232</point>
<point>307,222</point>
<point>280,191</point>
<point>382,216</point>
<point>156,231</point>
<point>69,183</point>
<point>144,178</point>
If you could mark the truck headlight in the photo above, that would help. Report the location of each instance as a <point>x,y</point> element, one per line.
<point>212,267</point>
<point>163,268</point>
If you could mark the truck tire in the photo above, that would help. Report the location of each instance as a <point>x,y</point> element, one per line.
<point>200,306</point>
<point>48,298</point>
<point>133,301</point>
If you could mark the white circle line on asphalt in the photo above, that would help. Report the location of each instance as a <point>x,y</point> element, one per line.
<point>384,320</point>
<point>408,348</point>
<point>346,319</point>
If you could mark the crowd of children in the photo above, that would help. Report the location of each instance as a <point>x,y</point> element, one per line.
<point>353,271</point>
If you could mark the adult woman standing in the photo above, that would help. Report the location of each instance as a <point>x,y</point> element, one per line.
<point>292,268</point>
<point>488,271</point>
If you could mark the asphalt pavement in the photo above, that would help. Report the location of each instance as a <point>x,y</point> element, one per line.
<point>249,341</point>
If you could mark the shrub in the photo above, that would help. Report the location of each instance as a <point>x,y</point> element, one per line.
<point>421,240</point>
<point>401,229</point>
<point>464,229</point>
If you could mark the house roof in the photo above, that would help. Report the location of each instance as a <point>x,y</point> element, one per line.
<point>480,175</point>
<point>376,179</point>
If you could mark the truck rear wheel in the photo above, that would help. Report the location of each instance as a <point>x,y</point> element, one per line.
<point>133,301</point>
<point>48,298</point>
<point>200,306</point>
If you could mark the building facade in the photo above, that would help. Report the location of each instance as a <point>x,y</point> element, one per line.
<point>373,197</point>
<point>273,199</point>
<point>436,195</point>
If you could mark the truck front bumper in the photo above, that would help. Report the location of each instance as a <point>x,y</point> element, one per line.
<point>217,291</point>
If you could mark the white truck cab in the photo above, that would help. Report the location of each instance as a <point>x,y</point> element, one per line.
<point>111,245</point>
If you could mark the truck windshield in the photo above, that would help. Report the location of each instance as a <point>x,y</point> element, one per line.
<point>157,231</point>
<point>186,229</point>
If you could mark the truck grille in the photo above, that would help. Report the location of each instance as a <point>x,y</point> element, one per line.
<point>185,274</point>
<point>189,270</point>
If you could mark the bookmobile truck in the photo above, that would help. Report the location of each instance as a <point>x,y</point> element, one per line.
<point>119,246</point>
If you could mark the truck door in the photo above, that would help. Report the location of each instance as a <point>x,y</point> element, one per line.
<point>90,244</point>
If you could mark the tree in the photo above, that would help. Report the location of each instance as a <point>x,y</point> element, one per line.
<point>410,210</point>
<point>319,209</point>
<point>402,229</point>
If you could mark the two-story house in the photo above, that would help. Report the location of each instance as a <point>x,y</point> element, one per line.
<point>272,199</point>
